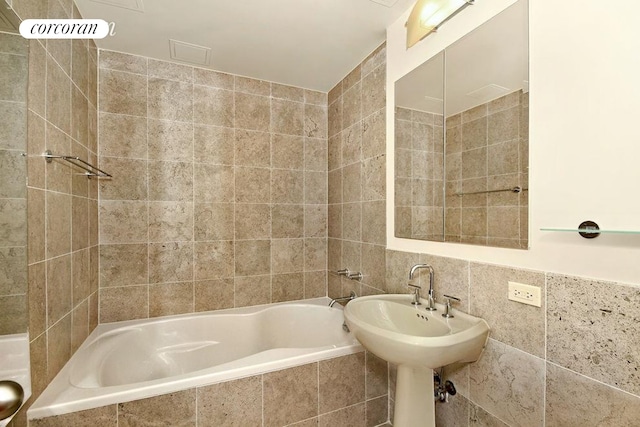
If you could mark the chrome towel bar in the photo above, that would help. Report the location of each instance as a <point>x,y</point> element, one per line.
<point>78,162</point>
<point>517,189</point>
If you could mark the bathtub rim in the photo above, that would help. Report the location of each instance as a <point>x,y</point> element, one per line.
<point>48,405</point>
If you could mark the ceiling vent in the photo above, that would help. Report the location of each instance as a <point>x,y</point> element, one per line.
<point>191,53</point>
<point>388,3</point>
<point>488,92</point>
<point>136,5</point>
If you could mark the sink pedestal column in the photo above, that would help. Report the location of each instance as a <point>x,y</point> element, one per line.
<point>414,398</point>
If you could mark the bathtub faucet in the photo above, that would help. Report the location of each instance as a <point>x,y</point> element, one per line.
<point>351,296</point>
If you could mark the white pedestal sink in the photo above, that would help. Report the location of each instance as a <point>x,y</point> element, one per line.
<point>417,341</point>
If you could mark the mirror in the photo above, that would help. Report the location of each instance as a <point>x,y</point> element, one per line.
<point>461,139</point>
<point>13,178</point>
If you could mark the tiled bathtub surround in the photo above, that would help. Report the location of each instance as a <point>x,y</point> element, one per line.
<point>62,206</point>
<point>572,362</point>
<point>357,167</point>
<point>219,191</point>
<point>13,193</point>
<point>345,391</point>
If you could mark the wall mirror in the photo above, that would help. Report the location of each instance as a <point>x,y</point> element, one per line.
<point>13,178</point>
<point>461,139</point>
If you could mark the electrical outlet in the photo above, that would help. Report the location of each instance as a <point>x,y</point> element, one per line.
<point>526,294</point>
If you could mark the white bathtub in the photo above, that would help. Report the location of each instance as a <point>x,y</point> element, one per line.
<point>132,360</point>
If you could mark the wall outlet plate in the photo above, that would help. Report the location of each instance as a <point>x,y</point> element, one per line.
<point>526,294</point>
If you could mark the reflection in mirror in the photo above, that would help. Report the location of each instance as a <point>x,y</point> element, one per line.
<point>13,191</point>
<point>486,141</point>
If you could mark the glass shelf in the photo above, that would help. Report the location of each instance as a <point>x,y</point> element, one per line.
<point>590,230</point>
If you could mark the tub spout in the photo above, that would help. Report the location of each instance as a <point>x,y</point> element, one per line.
<point>351,296</point>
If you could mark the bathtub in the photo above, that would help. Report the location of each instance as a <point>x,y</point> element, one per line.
<point>131,360</point>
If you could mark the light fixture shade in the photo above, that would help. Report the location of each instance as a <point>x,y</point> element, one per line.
<point>427,15</point>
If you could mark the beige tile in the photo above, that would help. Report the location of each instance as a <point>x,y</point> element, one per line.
<point>79,114</point>
<point>315,121</point>
<point>334,186</point>
<point>13,314</point>
<point>334,115</point>
<point>79,325</point>
<point>37,77</point>
<point>335,93</point>
<point>252,221</point>
<point>576,401</point>
<point>474,222</point>
<point>171,298</point>
<point>315,284</point>
<point>252,112</point>
<point>38,364</point>
<point>58,288</point>
<point>58,173</point>
<point>478,417</point>
<point>129,180</point>
<point>213,221</point>
<point>287,287</point>
<point>376,376</point>
<point>12,224</point>
<point>352,78</point>
<point>315,254</point>
<point>287,186</point>
<point>94,273</point>
<point>13,270</point>
<point>287,117</point>
<point>213,144</point>
<point>334,226</point>
<point>123,265</point>
<point>374,91</point>
<point>519,325</point>
<point>58,346</point>
<point>315,154</point>
<point>397,271</point>
<point>451,278</point>
<point>315,97</point>
<point>453,413</point>
<point>254,86</point>
<point>213,260</point>
<point>290,93</point>
<point>123,93</point>
<point>213,106</point>
<point>37,301</point>
<point>170,221</point>
<point>170,141</point>
<point>252,148</point>
<point>351,221</point>
<point>287,255</point>
<point>123,222</point>
<point>290,395</point>
<point>503,222</point>
<point>81,287</point>
<point>377,411</point>
<point>170,100</point>
<point>375,59</point>
<point>231,404</point>
<point>36,144</point>
<point>352,183</point>
<point>334,256</point>
<point>315,221</point>
<point>341,382</point>
<point>288,221</point>
<point>122,62</point>
<point>212,78</point>
<point>509,383</point>
<point>352,256</point>
<point>287,151</point>
<point>504,125</point>
<point>315,188</point>
<point>212,183</point>
<point>175,409</point>
<point>253,257</point>
<point>254,290</point>
<point>374,178</point>
<point>374,132</point>
<point>590,325</point>
<point>353,416</point>
<point>213,294</point>
<point>352,144</point>
<point>171,181</point>
<point>373,265</point>
<point>352,105</point>
<point>105,416</point>
<point>128,303</point>
<point>170,70</point>
<point>374,215</point>
<point>252,185</point>
<point>123,136</point>
<point>170,262</point>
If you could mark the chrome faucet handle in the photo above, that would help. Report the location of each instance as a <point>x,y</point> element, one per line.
<point>355,276</point>
<point>344,272</point>
<point>416,293</point>
<point>447,306</point>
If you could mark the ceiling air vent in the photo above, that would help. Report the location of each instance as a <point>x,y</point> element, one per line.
<point>388,3</point>
<point>488,92</point>
<point>136,5</point>
<point>191,53</point>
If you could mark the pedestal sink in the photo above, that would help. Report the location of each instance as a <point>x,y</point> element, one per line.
<point>417,341</point>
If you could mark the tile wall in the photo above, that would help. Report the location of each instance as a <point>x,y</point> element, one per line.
<point>572,362</point>
<point>13,193</point>
<point>219,192</point>
<point>419,175</point>
<point>357,177</point>
<point>345,391</point>
<point>62,206</point>
<point>487,149</point>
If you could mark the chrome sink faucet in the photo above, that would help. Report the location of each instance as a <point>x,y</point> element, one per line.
<point>416,288</point>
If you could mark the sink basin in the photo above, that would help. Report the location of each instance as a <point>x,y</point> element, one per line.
<point>417,341</point>
<point>401,333</point>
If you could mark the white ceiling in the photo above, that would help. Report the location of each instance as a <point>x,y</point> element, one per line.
<point>307,43</point>
<point>496,53</point>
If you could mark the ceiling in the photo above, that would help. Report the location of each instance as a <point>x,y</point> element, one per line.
<point>496,53</point>
<point>306,43</point>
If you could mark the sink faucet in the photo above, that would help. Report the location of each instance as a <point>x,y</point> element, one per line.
<point>416,288</point>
